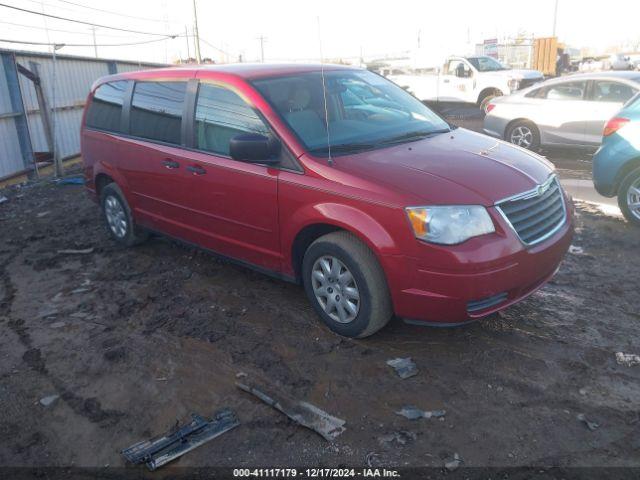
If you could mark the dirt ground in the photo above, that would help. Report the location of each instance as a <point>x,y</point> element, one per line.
<point>132,340</point>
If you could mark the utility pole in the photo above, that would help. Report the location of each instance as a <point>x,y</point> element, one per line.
<point>262,39</point>
<point>186,37</point>
<point>95,44</point>
<point>555,18</point>
<point>195,31</point>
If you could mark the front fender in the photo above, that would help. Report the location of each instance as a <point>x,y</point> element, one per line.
<point>358,221</point>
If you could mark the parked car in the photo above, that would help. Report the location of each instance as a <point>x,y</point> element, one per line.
<point>565,111</point>
<point>616,164</point>
<point>333,177</point>
<point>475,79</point>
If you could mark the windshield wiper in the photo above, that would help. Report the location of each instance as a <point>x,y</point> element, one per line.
<point>344,148</point>
<point>413,136</point>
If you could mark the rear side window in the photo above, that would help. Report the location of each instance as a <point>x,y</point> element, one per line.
<point>156,111</point>
<point>561,91</point>
<point>105,110</point>
<point>608,91</point>
<point>220,115</point>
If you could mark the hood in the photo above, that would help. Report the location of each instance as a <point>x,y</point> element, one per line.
<point>461,167</point>
<point>525,74</point>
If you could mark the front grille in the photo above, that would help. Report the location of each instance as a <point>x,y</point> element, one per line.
<point>537,214</point>
<point>479,305</point>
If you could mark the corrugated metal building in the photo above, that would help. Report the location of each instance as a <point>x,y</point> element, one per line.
<point>23,127</point>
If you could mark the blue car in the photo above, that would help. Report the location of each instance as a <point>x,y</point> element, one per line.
<point>616,164</point>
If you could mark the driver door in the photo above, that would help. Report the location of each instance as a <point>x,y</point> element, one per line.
<point>456,82</point>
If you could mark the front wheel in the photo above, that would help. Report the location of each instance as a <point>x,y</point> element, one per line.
<point>629,197</point>
<point>346,285</point>
<point>484,103</point>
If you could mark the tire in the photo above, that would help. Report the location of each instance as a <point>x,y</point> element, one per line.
<point>118,219</point>
<point>373,308</point>
<point>628,193</point>
<point>484,101</point>
<point>524,134</point>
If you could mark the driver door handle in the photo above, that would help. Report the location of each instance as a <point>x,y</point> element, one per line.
<point>170,164</point>
<point>196,169</point>
<point>446,80</point>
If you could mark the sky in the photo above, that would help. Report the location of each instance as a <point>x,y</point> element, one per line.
<point>300,30</point>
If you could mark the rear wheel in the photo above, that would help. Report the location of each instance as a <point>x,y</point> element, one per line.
<point>524,134</point>
<point>629,197</point>
<point>117,217</point>
<point>346,285</point>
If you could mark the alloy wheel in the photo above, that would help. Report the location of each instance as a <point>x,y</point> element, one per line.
<point>633,198</point>
<point>116,217</point>
<point>522,136</point>
<point>335,289</point>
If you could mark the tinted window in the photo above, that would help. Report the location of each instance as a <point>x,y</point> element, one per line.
<point>220,115</point>
<point>105,110</point>
<point>607,91</point>
<point>156,110</point>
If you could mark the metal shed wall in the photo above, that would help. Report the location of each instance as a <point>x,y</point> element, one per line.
<point>73,79</point>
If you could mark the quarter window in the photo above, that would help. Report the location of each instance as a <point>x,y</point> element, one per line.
<point>105,110</point>
<point>156,111</point>
<point>220,115</point>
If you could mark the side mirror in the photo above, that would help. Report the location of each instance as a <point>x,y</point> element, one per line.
<point>461,71</point>
<point>255,148</point>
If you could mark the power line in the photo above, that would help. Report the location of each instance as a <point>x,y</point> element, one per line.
<point>115,13</point>
<point>61,31</point>
<point>64,44</point>
<point>85,23</point>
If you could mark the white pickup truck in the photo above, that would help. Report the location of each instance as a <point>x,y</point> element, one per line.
<point>475,79</point>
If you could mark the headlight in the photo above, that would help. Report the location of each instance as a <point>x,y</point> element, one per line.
<point>514,84</point>
<point>449,225</point>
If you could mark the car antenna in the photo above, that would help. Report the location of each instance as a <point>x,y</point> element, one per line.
<point>324,95</point>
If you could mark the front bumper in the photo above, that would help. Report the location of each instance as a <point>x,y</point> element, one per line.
<point>506,273</point>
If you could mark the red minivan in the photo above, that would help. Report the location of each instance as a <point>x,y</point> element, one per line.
<point>330,176</point>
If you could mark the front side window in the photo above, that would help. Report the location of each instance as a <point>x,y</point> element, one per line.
<point>220,115</point>
<point>364,111</point>
<point>454,65</point>
<point>156,111</point>
<point>105,110</point>
<point>608,91</point>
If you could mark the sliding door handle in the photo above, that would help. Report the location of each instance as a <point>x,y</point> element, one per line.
<point>196,169</point>
<point>170,164</point>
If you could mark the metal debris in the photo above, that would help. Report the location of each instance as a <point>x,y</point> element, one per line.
<point>404,367</point>
<point>48,400</point>
<point>453,464</point>
<point>71,251</point>
<point>307,415</point>
<point>628,359</point>
<point>161,450</point>
<point>414,413</point>
<point>590,425</point>
<point>575,250</point>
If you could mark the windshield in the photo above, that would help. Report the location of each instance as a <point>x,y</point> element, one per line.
<point>486,64</point>
<point>365,111</point>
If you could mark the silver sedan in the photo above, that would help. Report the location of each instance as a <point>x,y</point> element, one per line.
<point>564,111</point>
